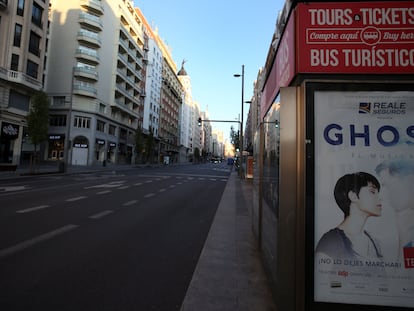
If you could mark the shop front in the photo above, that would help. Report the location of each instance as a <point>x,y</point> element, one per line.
<point>56,147</point>
<point>8,138</point>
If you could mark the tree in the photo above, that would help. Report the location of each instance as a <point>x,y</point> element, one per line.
<point>38,120</point>
<point>197,154</point>
<point>139,143</point>
<point>234,138</point>
<point>149,146</point>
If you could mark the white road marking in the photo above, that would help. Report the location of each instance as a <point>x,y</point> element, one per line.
<point>13,188</point>
<point>123,187</point>
<point>172,186</point>
<point>104,192</point>
<point>76,199</point>
<point>101,214</point>
<point>32,209</point>
<point>40,238</point>
<point>162,190</point>
<point>138,184</point>
<point>149,195</point>
<point>112,184</point>
<point>129,203</point>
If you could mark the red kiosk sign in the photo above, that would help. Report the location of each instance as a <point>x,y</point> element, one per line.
<point>356,37</point>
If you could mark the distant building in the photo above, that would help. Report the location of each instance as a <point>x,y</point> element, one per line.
<point>172,96</point>
<point>95,81</point>
<point>23,53</point>
<point>153,80</point>
<point>186,128</point>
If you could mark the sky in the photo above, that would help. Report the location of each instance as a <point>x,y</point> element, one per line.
<point>216,38</point>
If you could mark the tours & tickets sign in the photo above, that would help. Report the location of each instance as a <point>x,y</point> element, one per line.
<point>356,37</point>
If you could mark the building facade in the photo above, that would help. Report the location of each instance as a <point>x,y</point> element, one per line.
<point>23,53</point>
<point>95,81</point>
<point>153,79</point>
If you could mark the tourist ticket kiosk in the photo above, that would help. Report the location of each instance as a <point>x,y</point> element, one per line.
<point>335,216</point>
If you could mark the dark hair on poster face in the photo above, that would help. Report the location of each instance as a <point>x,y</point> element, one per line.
<point>352,182</point>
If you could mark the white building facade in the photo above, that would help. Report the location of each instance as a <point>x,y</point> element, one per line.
<point>95,81</point>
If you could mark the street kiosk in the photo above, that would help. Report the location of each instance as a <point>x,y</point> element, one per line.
<point>334,196</point>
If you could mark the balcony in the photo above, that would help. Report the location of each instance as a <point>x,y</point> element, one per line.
<point>86,73</point>
<point>91,57</point>
<point>3,4</point>
<point>20,78</point>
<point>84,89</point>
<point>94,6</point>
<point>90,21</point>
<point>89,38</point>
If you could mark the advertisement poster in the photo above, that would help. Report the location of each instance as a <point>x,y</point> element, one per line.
<point>356,37</point>
<point>364,198</point>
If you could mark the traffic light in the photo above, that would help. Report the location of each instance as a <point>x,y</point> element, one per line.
<point>199,121</point>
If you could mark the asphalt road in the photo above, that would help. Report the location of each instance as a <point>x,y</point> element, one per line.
<point>113,240</point>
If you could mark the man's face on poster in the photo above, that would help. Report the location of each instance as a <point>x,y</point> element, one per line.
<point>399,189</point>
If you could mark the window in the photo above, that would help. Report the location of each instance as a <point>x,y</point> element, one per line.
<point>20,7</point>
<point>82,122</point>
<point>102,108</point>
<point>37,13</point>
<point>123,134</point>
<point>14,65</point>
<point>32,69</point>
<point>34,44</point>
<point>100,126</point>
<point>17,35</point>
<point>57,120</point>
<point>112,130</point>
<point>58,101</point>
<point>19,101</point>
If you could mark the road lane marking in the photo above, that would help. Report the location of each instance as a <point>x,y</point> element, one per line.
<point>148,181</point>
<point>112,184</point>
<point>123,187</point>
<point>76,199</point>
<point>104,192</point>
<point>14,188</point>
<point>162,190</point>
<point>40,238</point>
<point>101,214</point>
<point>149,195</point>
<point>32,209</point>
<point>138,184</point>
<point>129,203</point>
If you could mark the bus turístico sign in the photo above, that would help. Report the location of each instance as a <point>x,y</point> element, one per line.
<point>356,37</point>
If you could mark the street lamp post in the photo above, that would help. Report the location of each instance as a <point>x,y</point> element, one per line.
<point>67,144</point>
<point>241,123</point>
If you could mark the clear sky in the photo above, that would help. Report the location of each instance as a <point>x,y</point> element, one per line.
<point>216,38</point>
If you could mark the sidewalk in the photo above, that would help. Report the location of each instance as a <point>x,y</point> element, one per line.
<point>53,168</point>
<point>229,274</point>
